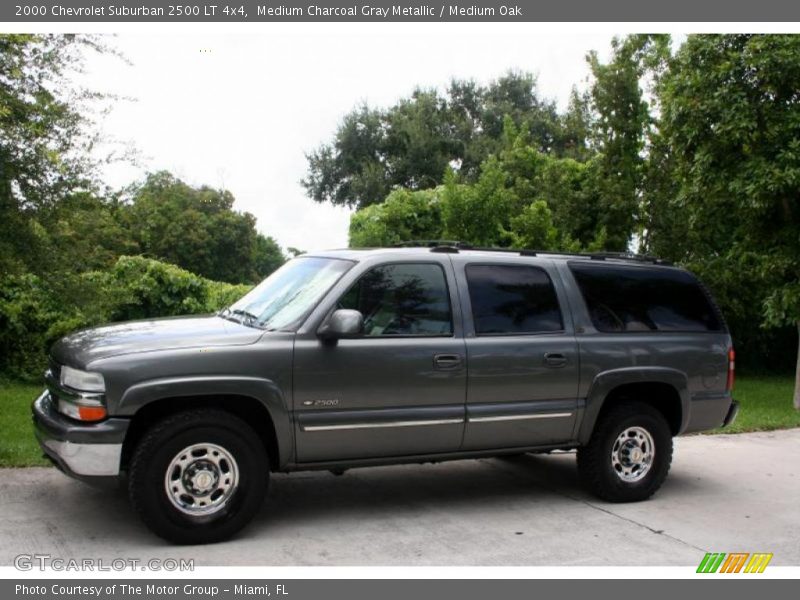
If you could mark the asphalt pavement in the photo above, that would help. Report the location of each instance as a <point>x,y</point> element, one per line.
<point>725,493</point>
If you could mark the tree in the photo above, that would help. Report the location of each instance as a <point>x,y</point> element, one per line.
<point>351,171</point>
<point>414,142</point>
<point>479,213</point>
<point>198,230</point>
<point>533,228</point>
<point>46,134</point>
<point>576,126</point>
<point>620,128</point>
<point>86,232</point>
<point>731,118</point>
<point>522,198</point>
<point>267,256</point>
<point>403,216</point>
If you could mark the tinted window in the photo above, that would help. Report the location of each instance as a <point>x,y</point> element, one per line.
<point>640,299</point>
<point>404,299</point>
<point>508,299</point>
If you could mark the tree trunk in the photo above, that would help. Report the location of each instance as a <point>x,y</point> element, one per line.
<point>797,373</point>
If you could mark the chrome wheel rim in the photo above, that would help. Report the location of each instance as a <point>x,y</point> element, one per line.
<point>201,479</point>
<point>632,454</point>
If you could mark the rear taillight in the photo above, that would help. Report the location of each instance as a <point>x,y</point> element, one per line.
<point>731,369</point>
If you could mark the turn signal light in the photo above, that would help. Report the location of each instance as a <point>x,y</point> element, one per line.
<point>86,411</point>
<point>92,413</point>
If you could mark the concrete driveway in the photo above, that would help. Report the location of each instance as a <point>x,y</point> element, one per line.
<point>725,493</point>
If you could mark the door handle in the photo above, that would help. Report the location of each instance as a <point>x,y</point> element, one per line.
<point>445,362</point>
<point>555,359</point>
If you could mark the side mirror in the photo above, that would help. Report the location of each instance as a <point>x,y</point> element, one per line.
<point>342,324</point>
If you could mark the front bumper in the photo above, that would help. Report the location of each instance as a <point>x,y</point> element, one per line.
<point>84,451</point>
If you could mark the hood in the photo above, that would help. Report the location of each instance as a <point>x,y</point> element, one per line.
<point>82,347</point>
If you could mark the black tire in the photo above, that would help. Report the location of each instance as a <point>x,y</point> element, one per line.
<point>164,441</point>
<point>597,471</point>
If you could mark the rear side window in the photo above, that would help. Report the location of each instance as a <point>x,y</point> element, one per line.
<point>512,299</point>
<point>622,299</point>
<point>402,300</point>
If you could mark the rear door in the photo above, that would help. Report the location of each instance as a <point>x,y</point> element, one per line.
<point>522,355</point>
<point>400,389</point>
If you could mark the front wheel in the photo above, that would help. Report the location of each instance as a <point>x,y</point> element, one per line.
<point>198,476</point>
<point>629,454</point>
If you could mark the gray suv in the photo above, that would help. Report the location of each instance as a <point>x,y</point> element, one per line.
<point>353,358</point>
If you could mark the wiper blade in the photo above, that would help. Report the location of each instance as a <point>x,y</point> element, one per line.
<point>227,314</point>
<point>245,317</point>
<point>252,319</point>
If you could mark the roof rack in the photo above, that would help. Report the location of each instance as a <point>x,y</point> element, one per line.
<point>433,244</point>
<point>454,246</point>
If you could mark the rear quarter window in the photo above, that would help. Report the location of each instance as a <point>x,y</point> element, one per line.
<point>632,298</point>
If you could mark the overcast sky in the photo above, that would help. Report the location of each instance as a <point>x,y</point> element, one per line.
<point>239,111</point>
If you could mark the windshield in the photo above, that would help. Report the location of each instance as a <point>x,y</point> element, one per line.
<point>289,294</point>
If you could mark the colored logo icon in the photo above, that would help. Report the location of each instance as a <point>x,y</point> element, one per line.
<point>734,562</point>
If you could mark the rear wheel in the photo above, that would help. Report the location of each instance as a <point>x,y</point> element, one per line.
<point>629,454</point>
<point>198,476</point>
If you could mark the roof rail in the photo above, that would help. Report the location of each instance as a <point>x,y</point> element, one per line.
<point>433,244</point>
<point>453,246</point>
<point>630,256</point>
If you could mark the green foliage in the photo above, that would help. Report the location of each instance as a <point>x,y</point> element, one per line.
<point>85,232</point>
<point>405,215</point>
<point>221,294</point>
<point>28,311</point>
<point>479,213</point>
<point>154,288</point>
<point>534,228</point>
<point>731,121</point>
<point>413,143</point>
<point>46,133</point>
<point>267,257</point>
<point>34,313</point>
<point>63,245</point>
<point>622,123</point>
<point>522,198</point>
<point>198,229</point>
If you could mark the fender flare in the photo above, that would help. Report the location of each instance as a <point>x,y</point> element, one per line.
<point>604,383</point>
<point>265,391</point>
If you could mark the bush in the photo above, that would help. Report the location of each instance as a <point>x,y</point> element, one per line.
<point>35,312</point>
<point>404,216</point>
<point>221,294</point>
<point>152,288</point>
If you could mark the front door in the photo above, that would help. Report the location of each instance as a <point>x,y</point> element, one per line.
<point>522,356</point>
<point>400,389</point>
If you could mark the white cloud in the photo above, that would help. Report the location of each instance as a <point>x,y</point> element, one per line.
<point>239,111</point>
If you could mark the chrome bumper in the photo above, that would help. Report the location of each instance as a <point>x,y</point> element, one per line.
<point>80,450</point>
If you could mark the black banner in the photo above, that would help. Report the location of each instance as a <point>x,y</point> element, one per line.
<point>345,589</point>
<point>397,10</point>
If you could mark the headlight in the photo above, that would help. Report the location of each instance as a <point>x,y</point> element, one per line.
<point>82,396</point>
<point>82,380</point>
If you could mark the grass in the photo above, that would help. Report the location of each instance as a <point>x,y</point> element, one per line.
<point>766,404</point>
<point>18,447</point>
